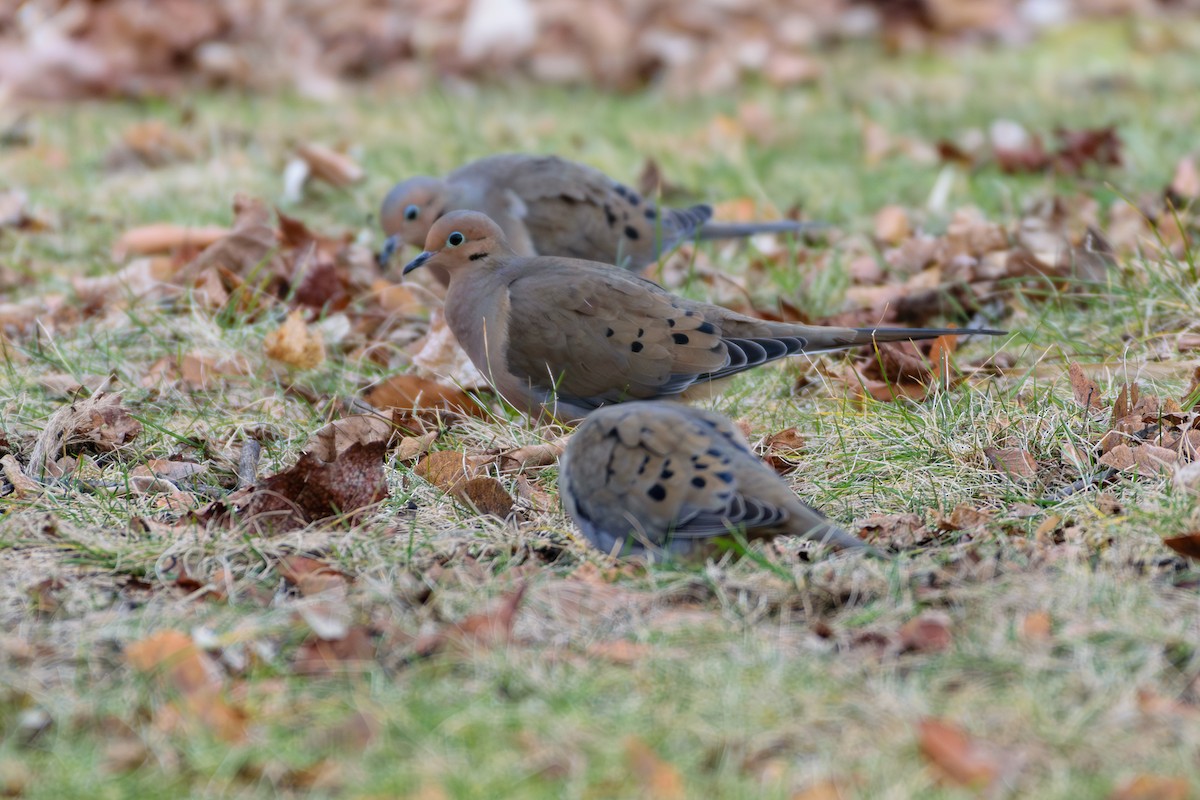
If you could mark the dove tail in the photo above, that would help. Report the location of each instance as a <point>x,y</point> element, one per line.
<point>869,335</point>
<point>737,230</point>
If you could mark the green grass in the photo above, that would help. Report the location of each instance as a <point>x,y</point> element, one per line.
<point>736,691</point>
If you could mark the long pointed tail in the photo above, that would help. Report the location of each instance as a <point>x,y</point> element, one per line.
<point>814,525</point>
<point>820,340</point>
<point>736,230</point>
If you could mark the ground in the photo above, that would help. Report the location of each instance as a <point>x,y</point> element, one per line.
<point>1055,631</point>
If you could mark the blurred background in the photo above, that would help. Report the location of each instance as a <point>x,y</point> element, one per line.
<point>71,49</point>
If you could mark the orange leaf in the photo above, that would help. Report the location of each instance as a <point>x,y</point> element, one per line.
<point>1086,392</point>
<point>659,780</point>
<point>956,755</point>
<point>414,392</point>
<point>1152,787</point>
<point>173,656</point>
<point>1186,545</point>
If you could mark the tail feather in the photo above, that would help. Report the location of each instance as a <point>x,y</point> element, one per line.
<point>737,230</point>
<point>823,340</point>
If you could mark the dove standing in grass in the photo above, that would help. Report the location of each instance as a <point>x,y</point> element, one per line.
<point>553,207</point>
<point>665,477</point>
<point>567,336</point>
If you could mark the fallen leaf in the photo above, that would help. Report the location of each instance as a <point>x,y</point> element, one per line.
<point>310,491</point>
<point>956,756</point>
<point>335,168</point>
<point>166,237</point>
<point>295,343</point>
<point>172,656</point>
<point>1152,787</point>
<point>1036,626</point>
<point>23,485</point>
<point>1187,544</point>
<point>484,630</point>
<point>658,779</point>
<point>1085,390</point>
<point>892,225</point>
<point>778,450</point>
<point>330,656</point>
<point>487,496</point>
<point>445,469</point>
<point>336,437</point>
<point>412,392</point>
<point>530,456</point>
<point>1014,462</point>
<point>928,632</point>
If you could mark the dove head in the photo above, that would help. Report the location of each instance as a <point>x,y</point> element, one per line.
<point>409,210</point>
<point>461,240</point>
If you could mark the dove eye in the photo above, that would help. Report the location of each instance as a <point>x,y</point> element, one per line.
<point>455,239</point>
<point>411,212</point>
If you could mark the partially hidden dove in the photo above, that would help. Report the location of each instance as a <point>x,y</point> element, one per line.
<point>668,478</point>
<point>553,207</point>
<point>565,336</point>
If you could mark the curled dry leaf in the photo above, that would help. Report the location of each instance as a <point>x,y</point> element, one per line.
<point>334,438</point>
<point>1085,390</point>
<point>295,343</point>
<point>956,756</point>
<point>174,658</point>
<point>1014,462</point>
<point>412,392</point>
<point>531,456</point>
<point>328,165</point>
<point>22,485</point>
<point>778,450</point>
<point>964,517</point>
<point>166,237</point>
<point>248,247</point>
<point>310,491</point>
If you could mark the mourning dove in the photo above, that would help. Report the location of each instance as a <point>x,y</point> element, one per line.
<point>567,336</point>
<point>550,206</point>
<point>652,476</point>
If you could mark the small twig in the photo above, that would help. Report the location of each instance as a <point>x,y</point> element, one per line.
<point>248,462</point>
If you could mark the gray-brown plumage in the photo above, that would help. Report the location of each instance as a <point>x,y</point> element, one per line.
<point>657,477</point>
<point>568,336</point>
<point>550,206</point>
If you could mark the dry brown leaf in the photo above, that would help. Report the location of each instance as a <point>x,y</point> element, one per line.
<point>618,651</point>
<point>1014,462</point>
<point>445,469</point>
<point>395,298</point>
<point>956,756</point>
<point>658,779</point>
<point>327,164</point>
<point>891,225</point>
<point>1119,457</point>
<point>1036,626</point>
<point>173,656</point>
<point>439,354</point>
<point>1085,390</point>
<point>487,496</point>
<point>330,656</point>
<point>412,392</point>
<point>1185,183</point>
<point>334,438</point>
<point>825,790</point>
<point>484,630</point>
<point>1152,787</point>
<point>310,491</point>
<point>23,485</point>
<point>779,449</point>
<point>928,632</point>
<point>1187,544</point>
<point>295,343</point>
<point>531,456</point>
<point>201,371</point>
<point>964,517</point>
<point>166,237</point>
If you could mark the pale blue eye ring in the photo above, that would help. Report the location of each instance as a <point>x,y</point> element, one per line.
<point>411,212</point>
<point>455,239</point>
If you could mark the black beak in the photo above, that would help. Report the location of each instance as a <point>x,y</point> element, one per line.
<point>417,262</point>
<point>390,245</point>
